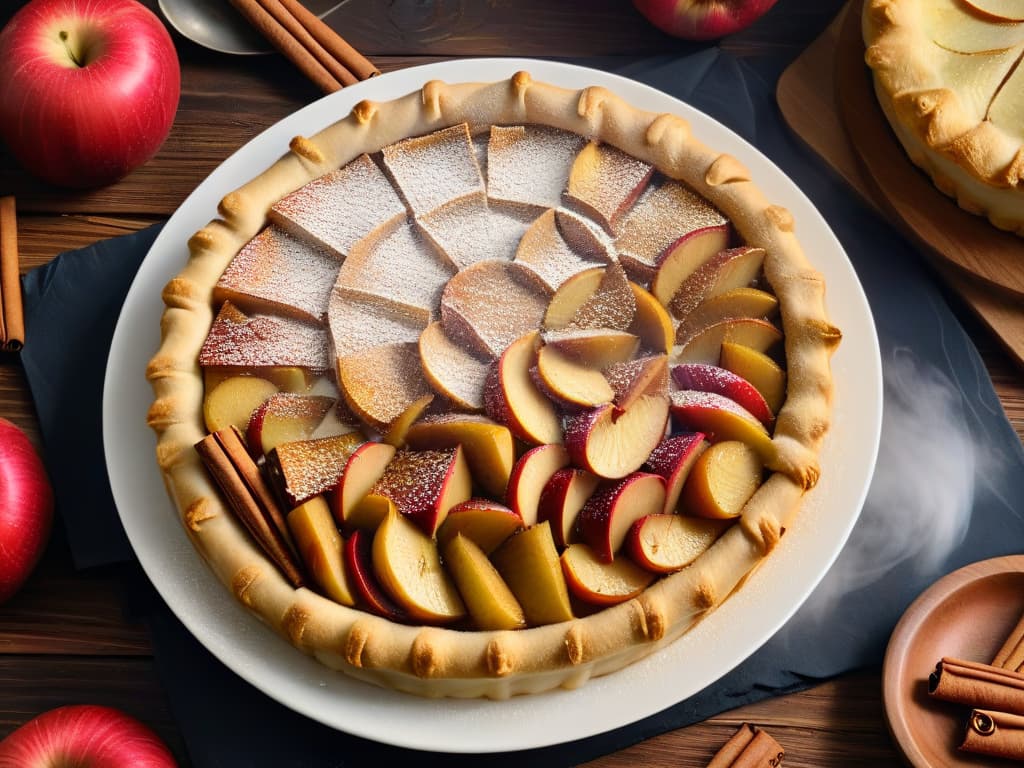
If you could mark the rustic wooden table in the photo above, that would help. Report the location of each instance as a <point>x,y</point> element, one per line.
<point>66,639</point>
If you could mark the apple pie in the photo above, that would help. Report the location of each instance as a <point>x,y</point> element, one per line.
<point>948,76</point>
<point>492,388</point>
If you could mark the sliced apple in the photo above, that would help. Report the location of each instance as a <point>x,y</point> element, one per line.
<point>727,269</point>
<point>486,522</point>
<point>409,568</point>
<point>604,182</point>
<point>757,368</point>
<point>613,445</point>
<point>369,512</point>
<point>719,418</point>
<point>636,378</point>
<point>233,401</point>
<point>673,459</point>
<point>705,346</point>
<point>570,296</point>
<point>549,258</point>
<point>685,258</point>
<point>568,382</point>
<point>665,543</point>
<point>652,322</point>
<point>611,510</point>
<point>512,398</point>
<point>600,582</point>
<point>320,547</point>
<point>529,476</point>
<point>359,565</point>
<point>529,564</point>
<point>744,301</point>
<point>399,427</point>
<point>303,469</point>
<point>611,305</point>
<point>362,470</point>
<point>489,447</point>
<point>451,370</point>
<point>723,480</point>
<point>380,383</point>
<point>712,378</point>
<point>285,417</point>
<point>489,601</point>
<point>594,347</point>
<point>562,499</point>
<point>424,485</point>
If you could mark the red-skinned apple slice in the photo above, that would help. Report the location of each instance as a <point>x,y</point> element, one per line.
<point>320,547</point>
<point>512,398</point>
<point>685,258</point>
<point>665,543</point>
<point>562,499</point>
<point>757,368</point>
<point>611,445</point>
<point>599,582</point>
<point>529,476</point>
<point>673,459</point>
<point>488,446</point>
<point>652,322</point>
<point>722,480</point>
<point>637,378</point>
<point>283,418</point>
<point>727,269</point>
<point>568,382</point>
<point>705,346</point>
<point>720,419</point>
<point>303,469</point>
<point>529,564</point>
<point>593,347</point>
<point>612,509</point>
<point>712,378</point>
<point>362,470</point>
<point>359,565</point>
<point>424,485</point>
<point>485,522</point>
<point>489,601</point>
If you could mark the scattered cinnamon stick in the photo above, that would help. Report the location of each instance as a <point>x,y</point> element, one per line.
<point>977,685</point>
<point>322,55</point>
<point>994,733</point>
<point>1011,655</point>
<point>249,497</point>
<point>749,747</point>
<point>12,317</point>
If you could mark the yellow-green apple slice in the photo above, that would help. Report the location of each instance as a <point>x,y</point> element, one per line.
<point>489,602</point>
<point>548,258</point>
<point>713,378</point>
<point>399,427</point>
<point>611,510</point>
<point>487,523</point>
<point>600,582</point>
<point>664,543</point>
<point>1010,10</point>
<point>673,459</point>
<point>287,378</point>
<point>719,418</point>
<point>370,512</point>
<point>512,398</point>
<point>380,383</point>
<point>636,378</point>
<point>285,417</point>
<point>320,547</point>
<point>723,480</point>
<point>562,499</point>
<point>570,296</point>
<point>233,401</point>
<point>424,485</point>
<point>744,301</point>
<point>451,370</point>
<point>570,383</point>
<point>529,564</point>
<point>593,347</point>
<point>604,182</point>
<point>489,447</point>
<point>529,476</point>
<point>611,305</point>
<point>488,305</point>
<point>612,444</point>
<point>371,595</point>
<point>652,322</point>
<point>686,256</point>
<point>705,346</point>
<point>303,469</point>
<point>728,269</point>
<point>757,368</point>
<point>408,566</point>
<point>361,472</point>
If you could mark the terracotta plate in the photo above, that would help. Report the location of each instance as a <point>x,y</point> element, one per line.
<point>967,614</point>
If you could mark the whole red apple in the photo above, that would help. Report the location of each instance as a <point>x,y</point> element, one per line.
<point>702,19</point>
<point>26,508</point>
<point>89,89</point>
<point>84,736</point>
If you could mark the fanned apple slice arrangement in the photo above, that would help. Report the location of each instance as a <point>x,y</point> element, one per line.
<point>497,381</point>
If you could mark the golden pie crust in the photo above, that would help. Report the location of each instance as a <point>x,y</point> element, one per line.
<point>948,76</point>
<point>438,662</point>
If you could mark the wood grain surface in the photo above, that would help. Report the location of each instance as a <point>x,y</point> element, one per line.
<point>67,637</point>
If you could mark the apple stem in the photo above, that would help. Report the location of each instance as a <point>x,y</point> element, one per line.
<point>71,53</point>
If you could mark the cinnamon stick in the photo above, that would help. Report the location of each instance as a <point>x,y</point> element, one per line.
<point>237,475</point>
<point>1011,655</point>
<point>12,316</point>
<point>297,29</point>
<point>749,747</point>
<point>352,59</point>
<point>994,733</point>
<point>977,685</point>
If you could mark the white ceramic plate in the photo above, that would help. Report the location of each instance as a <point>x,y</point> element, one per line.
<point>733,632</point>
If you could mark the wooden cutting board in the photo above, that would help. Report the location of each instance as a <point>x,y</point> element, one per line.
<point>827,99</point>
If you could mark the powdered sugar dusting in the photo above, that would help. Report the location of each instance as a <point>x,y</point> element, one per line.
<point>276,272</point>
<point>530,164</point>
<point>612,305</point>
<point>238,340</point>
<point>468,230</point>
<point>451,369</point>
<point>380,382</point>
<point>311,467</point>
<point>433,169</point>
<point>357,322</point>
<point>604,182</point>
<point>549,257</point>
<point>414,480</point>
<point>341,207</point>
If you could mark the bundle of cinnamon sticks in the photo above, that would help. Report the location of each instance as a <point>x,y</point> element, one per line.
<point>319,52</point>
<point>749,747</point>
<point>12,319</point>
<point>993,695</point>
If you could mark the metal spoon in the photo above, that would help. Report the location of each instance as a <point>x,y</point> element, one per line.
<point>215,24</point>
